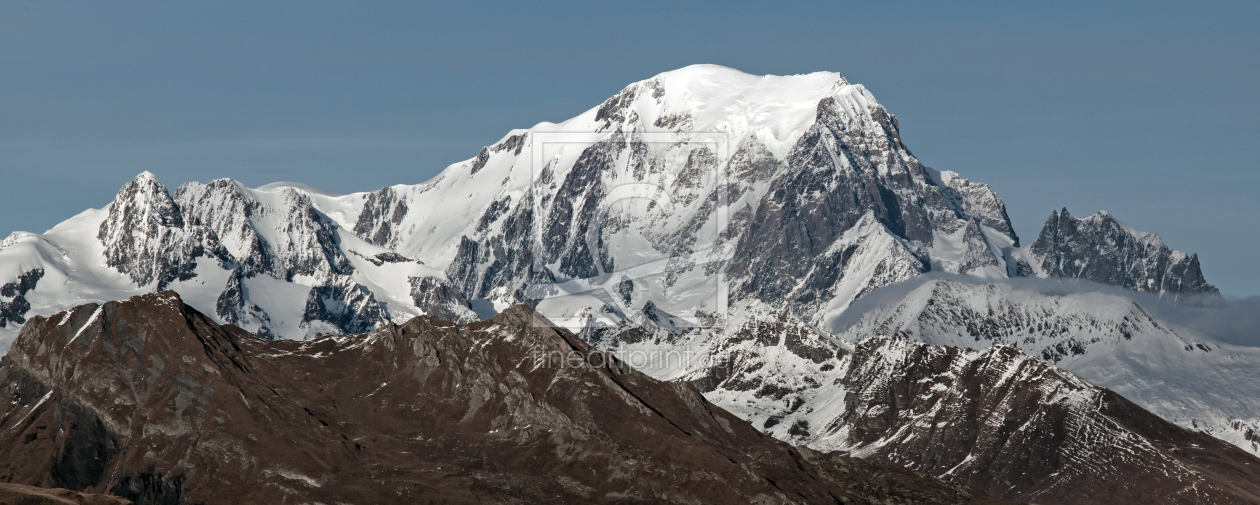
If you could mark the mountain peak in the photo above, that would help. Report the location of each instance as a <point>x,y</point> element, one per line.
<point>275,186</point>
<point>145,175</point>
<point>1102,249</point>
<point>145,238</point>
<point>774,109</point>
<point>146,198</point>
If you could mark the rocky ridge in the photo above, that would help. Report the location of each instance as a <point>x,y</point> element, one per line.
<point>152,401</point>
<point>267,260</point>
<point>17,494</point>
<point>1100,248</point>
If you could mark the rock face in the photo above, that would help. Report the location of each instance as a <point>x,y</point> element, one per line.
<point>152,401</point>
<point>17,494</point>
<point>1028,431</point>
<point>342,305</point>
<point>1101,249</point>
<point>13,303</point>
<point>145,237</point>
<point>280,233</point>
<point>436,297</point>
<point>849,164</point>
<point>233,306</point>
<point>382,212</point>
<point>998,419</point>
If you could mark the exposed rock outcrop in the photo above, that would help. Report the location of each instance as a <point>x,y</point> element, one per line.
<point>13,303</point>
<point>145,236</point>
<point>1100,248</point>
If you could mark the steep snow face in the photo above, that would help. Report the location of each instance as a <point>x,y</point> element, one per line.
<point>787,177</point>
<point>1108,340</point>
<point>1100,248</point>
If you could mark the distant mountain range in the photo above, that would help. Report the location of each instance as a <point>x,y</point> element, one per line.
<point>708,212</point>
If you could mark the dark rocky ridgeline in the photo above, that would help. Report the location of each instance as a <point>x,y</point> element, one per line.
<point>152,401</point>
<point>889,483</point>
<point>1101,249</point>
<point>17,494</point>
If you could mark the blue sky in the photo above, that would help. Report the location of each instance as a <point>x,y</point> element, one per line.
<point>1148,110</point>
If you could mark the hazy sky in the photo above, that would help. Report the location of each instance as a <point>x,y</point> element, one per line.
<point>1149,110</point>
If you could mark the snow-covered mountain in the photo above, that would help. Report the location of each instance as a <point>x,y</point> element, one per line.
<point>266,260</point>
<point>699,199</point>
<point>801,182</point>
<point>691,161</point>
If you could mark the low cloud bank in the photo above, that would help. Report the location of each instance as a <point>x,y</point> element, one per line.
<point>1229,320</point>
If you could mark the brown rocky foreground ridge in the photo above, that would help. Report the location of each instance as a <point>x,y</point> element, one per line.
<point>18,494</point>
<point>152,401</point>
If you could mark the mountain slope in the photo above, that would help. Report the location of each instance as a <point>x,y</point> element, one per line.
<point>1108,340</point>
<point>30,495</point>
<point>150,400</point>
<point>998,419</point>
